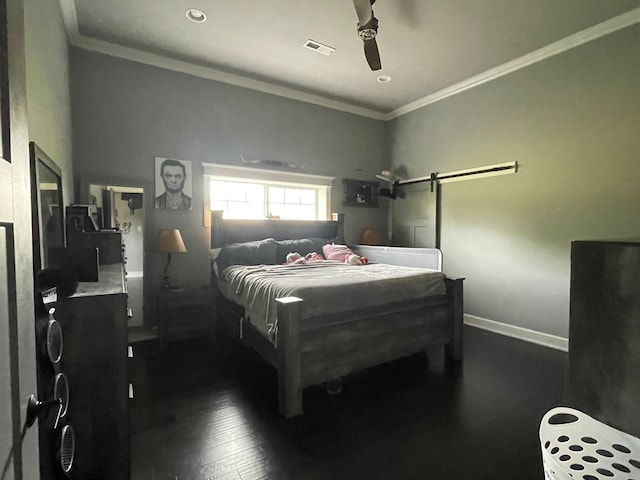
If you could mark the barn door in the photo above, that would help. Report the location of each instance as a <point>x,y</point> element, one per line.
<point>414,216</point>
<point>18,447</point>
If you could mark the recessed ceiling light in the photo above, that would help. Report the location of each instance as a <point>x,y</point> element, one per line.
<point>384,78</point>
<point>196,15</point>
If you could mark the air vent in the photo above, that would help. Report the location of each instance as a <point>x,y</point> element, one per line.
<point>319,47</point>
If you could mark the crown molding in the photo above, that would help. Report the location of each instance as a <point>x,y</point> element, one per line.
<point>69,17</point>
<point>592,33</point>
<point>161,61</point>
<point>181,66</point>
<point>612,25</point>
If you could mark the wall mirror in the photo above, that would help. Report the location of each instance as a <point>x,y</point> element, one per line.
<point>47,205</point>
<point>122,205</point>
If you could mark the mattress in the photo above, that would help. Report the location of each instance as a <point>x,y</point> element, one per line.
<point>325,286</point>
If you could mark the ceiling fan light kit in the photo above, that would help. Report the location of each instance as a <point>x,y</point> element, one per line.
<point>370,30</point>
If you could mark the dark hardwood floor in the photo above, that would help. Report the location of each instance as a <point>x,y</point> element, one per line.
<point>210,412</point>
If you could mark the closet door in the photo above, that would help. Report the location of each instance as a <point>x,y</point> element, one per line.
<point>414,216</point>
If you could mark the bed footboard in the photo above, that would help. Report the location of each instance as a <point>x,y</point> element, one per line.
<point>455,295</point>
<point>289,357</point>
<point>316,350</point>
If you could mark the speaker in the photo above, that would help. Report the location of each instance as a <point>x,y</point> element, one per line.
<point>56,434</point>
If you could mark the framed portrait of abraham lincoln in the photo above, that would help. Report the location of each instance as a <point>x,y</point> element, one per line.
<point>173,184</point>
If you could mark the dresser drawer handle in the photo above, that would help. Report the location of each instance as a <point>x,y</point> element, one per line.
<point>130,351</point>
<point>129,312</point>
<point>131,390</point>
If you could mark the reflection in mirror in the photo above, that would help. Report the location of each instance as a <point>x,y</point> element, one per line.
<point>121,207</point>
<point>47,205</point>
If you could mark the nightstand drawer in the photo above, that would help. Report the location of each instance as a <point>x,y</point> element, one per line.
<point>190,319</point>
<point>185,313</point>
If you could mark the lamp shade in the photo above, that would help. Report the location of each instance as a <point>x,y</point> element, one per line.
<point>170,241</point>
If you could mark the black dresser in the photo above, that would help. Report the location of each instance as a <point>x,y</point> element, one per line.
<point>95,360</point>
<point>603,375</point>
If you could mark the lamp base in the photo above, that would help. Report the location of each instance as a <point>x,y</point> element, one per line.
<point>165,278</point>
<point>165,283</point>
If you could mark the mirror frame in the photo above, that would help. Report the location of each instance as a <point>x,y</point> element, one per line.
<point>39,160</point>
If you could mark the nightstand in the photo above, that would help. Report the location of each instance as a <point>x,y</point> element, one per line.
<point>185,313</point>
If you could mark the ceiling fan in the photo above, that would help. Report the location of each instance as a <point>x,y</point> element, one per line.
<point>367,31</point>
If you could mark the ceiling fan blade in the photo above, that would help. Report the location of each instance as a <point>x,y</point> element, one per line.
<point>364,10</point>
<point>372,54</point>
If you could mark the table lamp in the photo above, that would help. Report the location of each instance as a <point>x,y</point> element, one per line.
<point>169,241</point>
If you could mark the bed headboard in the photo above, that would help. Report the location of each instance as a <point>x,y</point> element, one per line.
<point>224,232</point>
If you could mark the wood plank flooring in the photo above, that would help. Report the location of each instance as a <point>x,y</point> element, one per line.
<point>210,412</point>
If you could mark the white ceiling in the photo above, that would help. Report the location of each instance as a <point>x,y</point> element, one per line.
<point>430,48</point>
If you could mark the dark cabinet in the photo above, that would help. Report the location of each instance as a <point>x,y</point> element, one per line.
<point>94,325</point>
<point>186,313</point>
<point>603,376</point>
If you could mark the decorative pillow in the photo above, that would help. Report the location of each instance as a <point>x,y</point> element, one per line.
<point>302,246</point>
<point>259,252</point>
<point>321,242</point>
<point>336,252</point>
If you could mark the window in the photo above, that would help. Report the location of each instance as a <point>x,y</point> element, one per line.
<point>293,203</point>
<point>237,199</point>
<point>251,193</point>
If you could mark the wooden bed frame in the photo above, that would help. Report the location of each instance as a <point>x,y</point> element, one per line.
<point>330,346</point>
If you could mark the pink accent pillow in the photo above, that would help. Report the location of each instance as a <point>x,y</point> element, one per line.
<point>336,252</point>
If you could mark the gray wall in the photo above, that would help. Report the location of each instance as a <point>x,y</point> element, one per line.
<point>572,123</point>
<point>48,98</point>
<point>125,113</point>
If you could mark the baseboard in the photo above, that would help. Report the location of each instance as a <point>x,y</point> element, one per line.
<point>532,336</point>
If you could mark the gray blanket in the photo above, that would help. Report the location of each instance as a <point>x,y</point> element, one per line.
<point>326,287</point>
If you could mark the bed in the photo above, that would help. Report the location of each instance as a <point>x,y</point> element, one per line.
<point>316,330</point>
